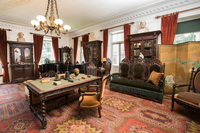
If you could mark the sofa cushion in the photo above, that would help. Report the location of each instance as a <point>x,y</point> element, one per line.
<point>138,71</point>
<point>124,70</point>
<point>189,97</point>
<point>155,77</point>
<point>155,68</point>
<point>137,84</point>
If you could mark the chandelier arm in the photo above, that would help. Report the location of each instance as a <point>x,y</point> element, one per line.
<point>56,9</point>
<point>47,9</point>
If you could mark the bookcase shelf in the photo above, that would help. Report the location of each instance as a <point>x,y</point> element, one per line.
<point>145,43</point>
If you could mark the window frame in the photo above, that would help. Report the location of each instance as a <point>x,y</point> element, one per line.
<point>115,43</point>
<point>47,53</point>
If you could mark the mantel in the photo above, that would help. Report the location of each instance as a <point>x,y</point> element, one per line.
<point>16,42</point>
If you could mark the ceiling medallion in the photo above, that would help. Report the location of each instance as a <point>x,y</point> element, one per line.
<point>49,22</point>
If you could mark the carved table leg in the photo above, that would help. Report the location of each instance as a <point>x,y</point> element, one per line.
<point>30,99</point>
<point>44,121</point>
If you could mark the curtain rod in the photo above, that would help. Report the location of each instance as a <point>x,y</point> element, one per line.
<point>44,35</point>
<point>117,26</point>
<point>177,12</point>
<point>81,35</point>
<point>6,29</point>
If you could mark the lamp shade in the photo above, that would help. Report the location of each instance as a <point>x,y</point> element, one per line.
<point>67,27</point>
<point>103,59</point>
<point>41,18</point>
<point>58,21</point>
<point>35,22</point>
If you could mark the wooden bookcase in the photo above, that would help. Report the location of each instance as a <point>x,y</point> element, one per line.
<point>93,52</point>
<point>21,60</point>
<point>143,42</point>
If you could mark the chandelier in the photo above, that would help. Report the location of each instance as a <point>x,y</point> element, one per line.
<point>49,23</point>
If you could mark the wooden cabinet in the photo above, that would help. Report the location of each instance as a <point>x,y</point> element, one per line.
<point>93,52</point>
<point>65,53</point>
<point>21,59</point>
<point>146,43</point>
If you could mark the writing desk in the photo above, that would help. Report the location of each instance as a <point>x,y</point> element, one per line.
<point>44,90</point>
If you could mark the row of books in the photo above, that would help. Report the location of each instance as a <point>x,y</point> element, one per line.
<point>137,45</point>
<point>137,52</point>
<point>148,52</point>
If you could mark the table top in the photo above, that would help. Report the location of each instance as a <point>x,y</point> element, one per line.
<point>40,87</point>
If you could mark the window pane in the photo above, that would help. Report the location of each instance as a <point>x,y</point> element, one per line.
<point>122,52</point>
<point>117,37</point>
<point>47,52</point>
<point>116,54</point>
<point>186,37</point>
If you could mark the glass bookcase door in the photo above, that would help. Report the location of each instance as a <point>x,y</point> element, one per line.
<point>27,55</point>
<point>94,52</point>
<point>90,55</point>
<point>17,55</point>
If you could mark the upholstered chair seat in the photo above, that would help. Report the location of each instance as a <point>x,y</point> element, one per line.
<point>90,100</point>
<point>189,97</point>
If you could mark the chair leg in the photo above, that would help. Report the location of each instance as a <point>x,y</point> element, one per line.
<point>172,108</point>
<point>99,109</point>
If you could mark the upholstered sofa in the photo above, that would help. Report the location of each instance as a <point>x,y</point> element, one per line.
<point>132,79</point>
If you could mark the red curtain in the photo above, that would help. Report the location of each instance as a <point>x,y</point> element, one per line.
<point>105,43</point>
<point>168,29</point>
<point>75,49</point>
<point>38,40</point>
<point>3,55</point>
<point>127,31</point>
<point>85,38</point>
<point>55,47</point>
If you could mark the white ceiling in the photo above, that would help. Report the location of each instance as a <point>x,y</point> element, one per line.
<point>76,13</point>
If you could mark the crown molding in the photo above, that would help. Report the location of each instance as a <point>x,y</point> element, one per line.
<point>130,16</point>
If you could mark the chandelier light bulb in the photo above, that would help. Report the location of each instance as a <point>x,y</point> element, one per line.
<point>35,22</point>
<point>58,21</point>
<point>67,27</point>
<point>41,18</point>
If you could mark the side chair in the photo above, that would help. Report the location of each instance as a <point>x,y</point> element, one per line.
<point>90,100</point>
<point>189,99</point>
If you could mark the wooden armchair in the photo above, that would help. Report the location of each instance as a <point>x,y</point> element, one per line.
<point>189,100</point>
<point>91,69</point>
<point>90,100</point>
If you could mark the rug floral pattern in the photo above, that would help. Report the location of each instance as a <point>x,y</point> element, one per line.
<point>120,113</point>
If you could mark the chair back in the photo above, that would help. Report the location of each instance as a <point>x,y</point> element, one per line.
<point>196,80</point>
<point>102,87</point>
<point>124,68</point>
<point>91,69</point>
<point>108,66</point>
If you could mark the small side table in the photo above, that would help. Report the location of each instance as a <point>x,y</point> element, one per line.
<point>99,71</point>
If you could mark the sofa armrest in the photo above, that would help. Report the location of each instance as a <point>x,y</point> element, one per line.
<point>114,75</point>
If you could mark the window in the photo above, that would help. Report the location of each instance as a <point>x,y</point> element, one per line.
<point>47,51</point>
<point>1,68</point>
<point>186,37</point>
<point>117,47</point>
<point>81,53</point>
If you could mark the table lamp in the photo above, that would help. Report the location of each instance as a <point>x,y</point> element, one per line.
<point>102,61</point>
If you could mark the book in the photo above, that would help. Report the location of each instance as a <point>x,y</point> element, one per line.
<point>89,76</point>
<point>73,80</point>
<point>45,80</point>
<point>84,77</point>
<point>57,83</point>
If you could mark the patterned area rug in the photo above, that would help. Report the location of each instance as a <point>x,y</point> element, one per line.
<point>121,113</point>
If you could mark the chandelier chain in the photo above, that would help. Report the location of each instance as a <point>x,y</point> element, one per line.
<point>56,9</point>
<point>52,9</point>
<point>47,9</point>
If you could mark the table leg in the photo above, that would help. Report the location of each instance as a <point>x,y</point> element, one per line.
<point>44,121</point>
<point>30,99</point>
